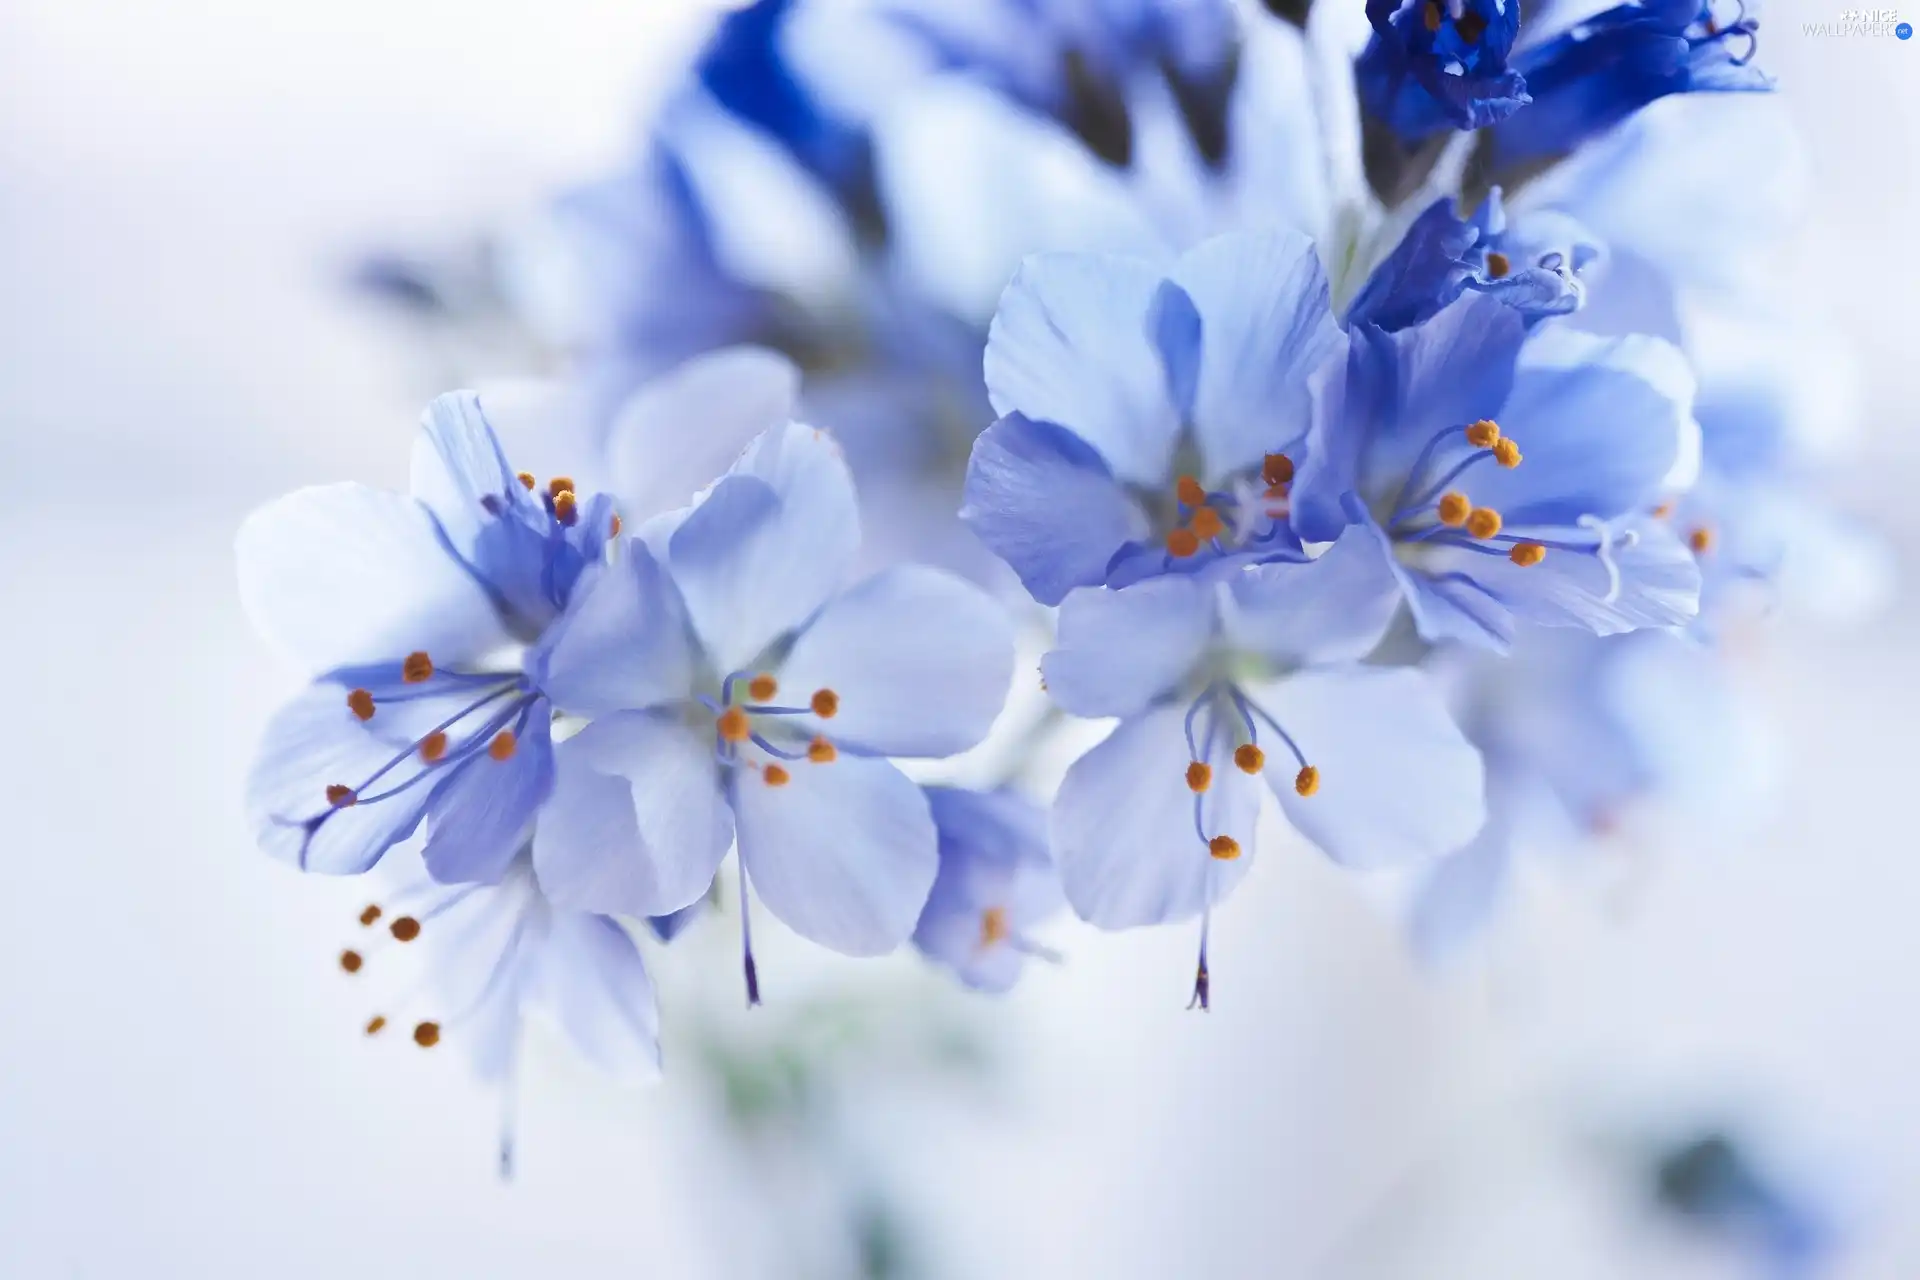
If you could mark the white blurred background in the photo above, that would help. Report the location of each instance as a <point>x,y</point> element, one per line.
<point>183,1089</point>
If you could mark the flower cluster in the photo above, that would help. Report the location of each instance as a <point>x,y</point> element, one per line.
<point>1341,406</point>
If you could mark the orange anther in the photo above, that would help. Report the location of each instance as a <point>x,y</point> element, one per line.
<point>1497,265</point>
<point>1182,543</point>
<point>1483,522</point>
<point>1453,509</point>
<point>404,929</point>
<point>426,1034</point>
<point>776,775</point>
<point>418,668</point>
<point>1207,524</point>
<point>1527,554</point>
<point>433,747</point>
<point>1199,776</point>
<point>1307,781</point>
<point>1277,469</point>
<point>734,725</point>
<point>820,751</point>
<point>1190,491</point>
<point>1483,433</point>
<point>360,702</point>
<point>762,687</point>
<point>1250,758</point>
<point>350,961</point>
<point>1225,848</point>
<point>501,748</point>
<point>340,797</point>
<point>1506,452</point>
<point>1701,540</point>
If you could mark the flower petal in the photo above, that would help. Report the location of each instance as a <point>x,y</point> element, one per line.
<point>1658,583</point>
<point>591,976</point>
<point>844,853</point>
<point>342,574</point>
<point>1601,423</point>
<point>637,824</point>
<point>768,545</point>
<point>1119,650</point>
<point>920,659</point>
<point>1398,781</point>
<point>623,642</point>
<point>482,814</point>
<point>687,426</point>
<point>1070,345</point>
<point>1334,608</point>
<point>1459,894</point>
<point>1044,500</point>
<point>1266,327</point>
<point>1123,828</point>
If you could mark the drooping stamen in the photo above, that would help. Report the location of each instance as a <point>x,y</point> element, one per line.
<point>360,702</point>
<point>1225,848</point>
<point>1250,758</point>
<point>1199,776</point>
<point>1307,781</point>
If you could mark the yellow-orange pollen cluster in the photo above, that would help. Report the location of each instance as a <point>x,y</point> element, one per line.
<point>1456,511</point>
<point>1225,848</point>
<point>426,1034</point>
<point>734,724</point>
<point>994,926</point>
<point>1307,781</point>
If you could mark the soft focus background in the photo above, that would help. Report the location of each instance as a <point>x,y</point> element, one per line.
<point>183,1089</point>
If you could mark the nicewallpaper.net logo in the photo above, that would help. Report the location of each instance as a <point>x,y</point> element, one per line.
<point>1869,24</point>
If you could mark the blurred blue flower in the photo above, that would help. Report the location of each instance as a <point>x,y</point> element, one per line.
<point>1534,265</point>
<point>739,694</point>
<point>1566,443</point>
<point>996,882</point>
<point>1604,68</point>
<point>430,619</point>
<point>1148,413</point>
<point>1434,65</point>
<point>1217,683</point>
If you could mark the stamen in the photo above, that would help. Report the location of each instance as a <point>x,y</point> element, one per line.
<point>360,702</point>
<point>1307,781</point>
<point>350,961</point>
<point>371,914</point>
<point>1453,509</point>
<point>1199,776</point>
<point>1527,554</point>
<point>1431,16</point>
<point>613,526</point>
<point>417,669</point>
<point>526,480</point>
<point>825,703</point>
<point>404,929</point>
<point>1277,469</point>
<point>1506,453</point>
<point>820,751</point>
<point>501,748</point>
<point>559,485</point>
<point>1225,848</point>
<point>762,687</point>
<point>748,968</point>
<point>1701,540</point>
<point>340,797</point>
<point>565,509</point>
<point>374,1024</point>
<point>1190,491</point>
<point>994,927</point>
<point>1207,524</point>
<point>1182,543</point>
<point>1483,522</point>
<point>776,775</point>
<point>1483,434</point>
<point>1497,265</point>
<point>1470,25</point>
<point>734,725</point>
<point>433,747</point>
<point>426,1034</point>
<point>1250,758</point>
<point>1662,511</point>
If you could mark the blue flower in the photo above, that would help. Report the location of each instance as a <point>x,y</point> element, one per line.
<point>738,694</point>
<point>996,882</point>
<point>1440,64</point>
<point>1506,477</point>
<point>429,619</point>
<point>1148,414</point>
<point>1594,75</point>
<point>494,953</point>
<point>1219,684</point>
<point>1534,267</point>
